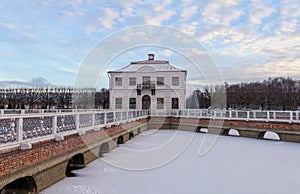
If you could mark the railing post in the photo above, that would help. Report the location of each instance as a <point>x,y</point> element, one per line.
<point>268,116</point>
<point>77,122</point>
<point>274,115</point>
<point>291,116</point>
<point>93,119</point>
<point>248,116</point>
<point>54,125</point>
<point>230,114</point>
<point>19,129</point>
<point>297,115</point>
<point>254,114</point>
<point>105,117</point>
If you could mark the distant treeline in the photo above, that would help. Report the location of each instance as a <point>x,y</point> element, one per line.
<point>272,94</point>
<point>62,98</point>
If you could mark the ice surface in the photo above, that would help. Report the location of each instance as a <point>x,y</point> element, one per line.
<point>233,166</point>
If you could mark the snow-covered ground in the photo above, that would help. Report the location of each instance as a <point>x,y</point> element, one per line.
<point>234,165</point>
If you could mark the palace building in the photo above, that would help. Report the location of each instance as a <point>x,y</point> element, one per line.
<point>148,84</point>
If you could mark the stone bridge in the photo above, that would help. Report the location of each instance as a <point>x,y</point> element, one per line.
<point>39,147</point>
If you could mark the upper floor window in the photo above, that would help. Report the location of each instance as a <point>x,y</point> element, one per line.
<point>146,79</point>
<point>175,81</point>
<point>160,81</point>
<point>132,81</point>
<point>118,81</point>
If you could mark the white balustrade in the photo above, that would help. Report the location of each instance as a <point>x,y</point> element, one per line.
<point>22,126</point>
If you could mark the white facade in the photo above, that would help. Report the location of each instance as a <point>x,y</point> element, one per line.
<point>150,84</point>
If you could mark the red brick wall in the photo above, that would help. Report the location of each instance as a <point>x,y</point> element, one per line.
<point>13,159</point>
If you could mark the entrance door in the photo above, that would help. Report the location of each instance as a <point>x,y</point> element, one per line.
<point>146,102</point>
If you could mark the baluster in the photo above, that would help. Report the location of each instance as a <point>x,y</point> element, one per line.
<point>19,128</point>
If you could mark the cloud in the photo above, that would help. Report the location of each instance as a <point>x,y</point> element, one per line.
<point>186,2</point>
<point>108,17</point>
<point>190,28</point>
<point>288,26</point>
<point>188,12</point>
<point>290,9</point>
<point>29,36</point>
<point>159,18</point>
<point>220,12</point>
<point>259,11</point>
<point>7,26</point>
<point>158,13</point>
<point>166,53</point>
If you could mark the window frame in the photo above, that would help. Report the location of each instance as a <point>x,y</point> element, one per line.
<point>172,104</point>
<point>160,105</point>
<point>116,103</point>
<point>174,83</point>
<point>130,107</point>
<point>130,83</point>
<point>160,83</point>
<point>120,82</point>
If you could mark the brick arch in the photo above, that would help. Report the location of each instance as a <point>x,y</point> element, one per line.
<point>131,135</point>
<point>104,148</point>
<point>21,185</point>
<point>138,130</point>
<point>120,140</point>
<point>76,162</point>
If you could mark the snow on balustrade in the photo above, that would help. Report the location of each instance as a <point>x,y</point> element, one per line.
<point>65,123</point>
<point>85,120</point>
<point>20,126</point>
<point>7,131</point>
<point>36,127</point>
<point>17,126</point>
<point>99,118</point>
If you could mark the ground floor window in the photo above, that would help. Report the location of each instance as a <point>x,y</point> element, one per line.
<point>132,103</point>
<point>160,103</point>
<point>118,103</point>
<point>175,103</point>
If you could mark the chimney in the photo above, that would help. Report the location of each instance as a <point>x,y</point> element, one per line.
<point>150,56</point>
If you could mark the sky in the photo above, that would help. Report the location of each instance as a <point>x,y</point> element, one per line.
<point>248,40</point>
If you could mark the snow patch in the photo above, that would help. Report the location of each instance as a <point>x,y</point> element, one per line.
<point>204,130</point>
<point>271,135</point>
<point>83,189</point>
<point>233,132</point>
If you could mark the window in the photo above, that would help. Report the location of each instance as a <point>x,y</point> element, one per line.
<point>118,103</point>
<point>132,81</point>
<point>175,81</point>
<point>138,92</point>
<point>153,92</point>
<point>160,103</point>
<point>118,81</point>
<point>132,103</point>
<point>160,81</point>
<point>146,79</point>
<point>174,103</point>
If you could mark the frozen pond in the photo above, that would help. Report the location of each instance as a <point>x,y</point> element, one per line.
<point>234,165</point>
